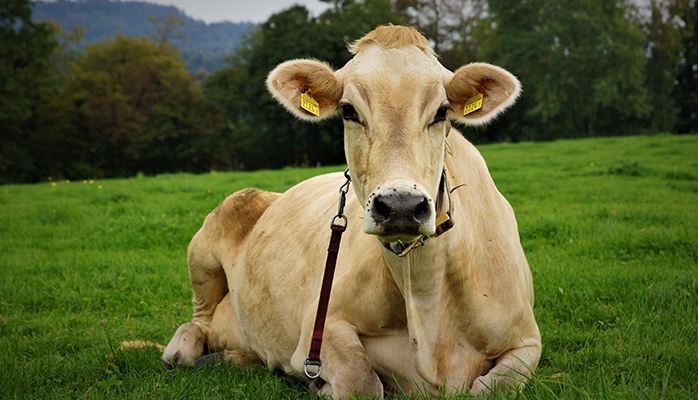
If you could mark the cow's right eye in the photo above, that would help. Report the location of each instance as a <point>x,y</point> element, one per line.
<point>349,113</point>
<point>441,114</point>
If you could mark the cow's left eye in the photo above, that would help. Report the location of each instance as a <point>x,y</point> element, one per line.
<point>349,112</point>
<point>441,114</point>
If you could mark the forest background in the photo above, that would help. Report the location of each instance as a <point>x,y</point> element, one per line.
<point>129,105</point>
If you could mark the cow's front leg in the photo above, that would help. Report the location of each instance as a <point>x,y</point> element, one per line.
<point>346,368</point>
<point>512,369</point>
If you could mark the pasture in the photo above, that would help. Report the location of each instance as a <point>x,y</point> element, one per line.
<point>610,229</point>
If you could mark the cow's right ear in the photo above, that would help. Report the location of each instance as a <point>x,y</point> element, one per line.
<point>309,89</point>
<point>479,92</point>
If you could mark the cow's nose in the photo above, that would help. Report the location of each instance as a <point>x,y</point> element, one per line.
<point>401,212</point>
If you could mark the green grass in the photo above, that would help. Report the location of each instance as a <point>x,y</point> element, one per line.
<point>610,228</point>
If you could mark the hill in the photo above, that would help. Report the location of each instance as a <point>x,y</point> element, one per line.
<point>204,49</point>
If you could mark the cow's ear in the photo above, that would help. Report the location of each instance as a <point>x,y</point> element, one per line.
<point>309,89</point>
<point>478,92</point>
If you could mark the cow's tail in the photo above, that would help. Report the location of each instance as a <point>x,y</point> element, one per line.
<point>141,344</point>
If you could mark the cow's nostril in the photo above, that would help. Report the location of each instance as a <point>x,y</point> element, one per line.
<point>381,211</point>
<point>421,212</point>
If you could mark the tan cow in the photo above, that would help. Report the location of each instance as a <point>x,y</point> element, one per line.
<point>454,314</point>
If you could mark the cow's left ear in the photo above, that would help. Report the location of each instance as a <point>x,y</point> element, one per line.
<point>309,89</point>
<point>498,87</point>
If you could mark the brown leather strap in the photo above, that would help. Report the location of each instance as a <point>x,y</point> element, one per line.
<point>338,226</point>
<point>318,329</point>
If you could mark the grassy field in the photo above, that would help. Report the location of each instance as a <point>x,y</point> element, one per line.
<point>610,228</point>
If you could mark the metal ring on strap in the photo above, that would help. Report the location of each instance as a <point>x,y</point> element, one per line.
<point>317,364</point>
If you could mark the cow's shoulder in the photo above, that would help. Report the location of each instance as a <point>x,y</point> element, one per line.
<point>238,214</point>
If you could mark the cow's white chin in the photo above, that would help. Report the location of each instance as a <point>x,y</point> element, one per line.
<point>392,237</point>
<point>402,237</point>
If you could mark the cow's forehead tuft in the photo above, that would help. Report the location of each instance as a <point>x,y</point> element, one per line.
<point>392,37</point>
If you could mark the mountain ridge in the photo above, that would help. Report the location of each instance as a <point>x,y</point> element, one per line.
<point>206,46</point>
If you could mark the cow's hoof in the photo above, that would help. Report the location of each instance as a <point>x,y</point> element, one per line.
<point>186,346</point>
<point>210,359</point>
<point>315,385</point>
<point>169,363</point>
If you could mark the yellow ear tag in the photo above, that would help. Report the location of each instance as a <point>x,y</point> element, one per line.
<point>473,104</point>
<point>309,104</point>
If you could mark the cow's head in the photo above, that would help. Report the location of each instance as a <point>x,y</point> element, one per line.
<point>397,101</point>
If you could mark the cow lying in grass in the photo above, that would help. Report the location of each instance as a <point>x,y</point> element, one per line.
<point>454,313</point>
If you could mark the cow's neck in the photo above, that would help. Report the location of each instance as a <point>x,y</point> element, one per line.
<point>427,285</point>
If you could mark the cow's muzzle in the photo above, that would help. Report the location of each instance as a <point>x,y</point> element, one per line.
<point>399,214</point>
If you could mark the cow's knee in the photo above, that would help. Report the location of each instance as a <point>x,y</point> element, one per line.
<point>186,346</point>
<point>346,367</point>
<point>206,275</point>
<point>348,383</point>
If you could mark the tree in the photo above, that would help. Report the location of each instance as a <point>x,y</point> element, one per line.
<point>133,101</point>
<point>25,77</point>
<point>448,24</point>
<point>686,90</point>
<point>581,63</point>
<point>257,131</point>
<point>224,126</point>
<point>69,46</point>
<point>167,28</point>
<point>663,42</point>
<point>279,139</point>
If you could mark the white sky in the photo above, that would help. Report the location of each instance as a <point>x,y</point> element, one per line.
<point>238,10</point>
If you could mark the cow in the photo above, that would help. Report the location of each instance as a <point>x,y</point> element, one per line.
<point>415,307</point>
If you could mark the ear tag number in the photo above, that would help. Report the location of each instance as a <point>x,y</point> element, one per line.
<point>309,104</point>
<point>473,104</point>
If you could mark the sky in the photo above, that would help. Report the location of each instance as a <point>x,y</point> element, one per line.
<point>238,10</point>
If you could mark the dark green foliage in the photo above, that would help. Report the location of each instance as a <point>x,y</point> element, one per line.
<point>663,45</point>
<point>588,68</point>
<point>248,128</point>
<point>26,77</point>
<point>124,107</point>
<point>581,64</point>
<point>686,89</point>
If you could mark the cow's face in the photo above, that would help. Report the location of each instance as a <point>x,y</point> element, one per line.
<point>395,109</point>
<point>396,102</point>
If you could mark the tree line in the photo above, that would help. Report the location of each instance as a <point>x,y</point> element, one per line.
<point>128,105</point>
